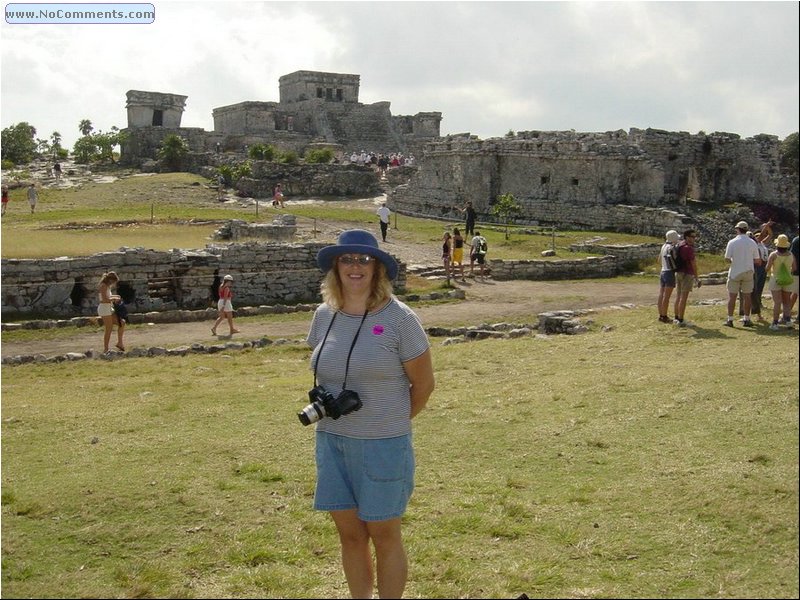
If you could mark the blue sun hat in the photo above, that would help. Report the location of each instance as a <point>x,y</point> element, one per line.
<point>356,241</point>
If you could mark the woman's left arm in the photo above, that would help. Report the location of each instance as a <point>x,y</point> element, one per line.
<point>420,373</point>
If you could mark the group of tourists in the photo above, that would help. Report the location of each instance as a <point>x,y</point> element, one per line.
<point>453,254</point>
<point>753,266</point>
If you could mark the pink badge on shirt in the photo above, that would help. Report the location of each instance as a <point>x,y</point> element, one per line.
<point>377,330</point>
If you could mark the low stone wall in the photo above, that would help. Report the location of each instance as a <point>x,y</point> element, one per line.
<point>264,273</point>
<point>583,268</point>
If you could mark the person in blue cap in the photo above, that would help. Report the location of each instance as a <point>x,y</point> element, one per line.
<point>367,342</point>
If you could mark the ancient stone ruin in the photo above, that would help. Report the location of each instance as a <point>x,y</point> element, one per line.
<point>314,108</point>
<point>598,180</point>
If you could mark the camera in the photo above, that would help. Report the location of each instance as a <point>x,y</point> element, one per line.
<point>324,404</point>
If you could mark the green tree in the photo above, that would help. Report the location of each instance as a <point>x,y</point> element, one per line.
<point>55,143</point>
<point>173,149</point>
<point>18,143</point>
<point>505,209</point>
<point>106,142</point>
<point>789,153</point>
<point>85,126</point>
<point>85,150</point>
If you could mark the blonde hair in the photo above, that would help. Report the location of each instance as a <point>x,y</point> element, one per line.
<point>380,292</point>
<point>108,278</point>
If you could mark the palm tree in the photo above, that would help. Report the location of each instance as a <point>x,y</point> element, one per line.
<point>55,142</point>
<point>85,126</point>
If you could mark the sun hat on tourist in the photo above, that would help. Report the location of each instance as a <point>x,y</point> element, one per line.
<point>672,236</point>
<point>782,241</point>
<point>356,241</point>
<point>228,278</point>
<point>742,225</point>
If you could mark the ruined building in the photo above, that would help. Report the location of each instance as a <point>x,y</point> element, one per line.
<point>314,108</point>
<point>566,178</point>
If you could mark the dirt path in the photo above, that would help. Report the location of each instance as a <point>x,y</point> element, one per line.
<point>486,302</point>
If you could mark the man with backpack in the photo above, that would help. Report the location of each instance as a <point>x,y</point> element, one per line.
<point>685,275</point>
<point>667,279</point>
<point>477,252</point>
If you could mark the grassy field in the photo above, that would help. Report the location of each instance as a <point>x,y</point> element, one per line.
<point>635,460</point>
<point>180,210</point>
<point>631,461</point>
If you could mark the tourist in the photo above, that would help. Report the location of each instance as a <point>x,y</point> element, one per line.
<point>277,196</point>
<point>477,253</point>
<point>470,216</point>
<point>33,196</point>
<point>368,342</point>
<point>57,170</point>
<point>383,214</point>
<point>447,254</point>
<point>686,276</point>
<point>458,253</point>
<point>5,199</point>
<point>105,309</point>
<point>667,278</point>
<point>225,305</point>
<point>781,264</point>
<point>742,253</point>
<point>762,238</point>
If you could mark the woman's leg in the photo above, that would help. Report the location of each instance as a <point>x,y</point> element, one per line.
<point>390,557</point>
<point>786,300</point>
<point>120,334</point>
<point>108,326</point>
<point>777,302</point>
<point>356,556</point>
<point>229,316</point>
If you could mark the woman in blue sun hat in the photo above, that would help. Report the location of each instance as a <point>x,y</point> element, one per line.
<point>371,344</point>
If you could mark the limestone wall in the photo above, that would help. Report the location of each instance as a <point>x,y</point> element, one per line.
<point>153,281</point>
<point>567,177</point>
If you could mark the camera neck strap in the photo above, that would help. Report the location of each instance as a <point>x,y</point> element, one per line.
<point>352,345</point>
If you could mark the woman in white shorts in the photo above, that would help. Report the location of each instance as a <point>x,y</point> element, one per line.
<point>225,305</point>
<point>105,309</point>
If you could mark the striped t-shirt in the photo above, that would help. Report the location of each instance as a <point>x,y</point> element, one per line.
<point>387,339</point>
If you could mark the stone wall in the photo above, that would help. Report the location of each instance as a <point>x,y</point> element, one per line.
<point>571,179</point>
<point>150,280</point>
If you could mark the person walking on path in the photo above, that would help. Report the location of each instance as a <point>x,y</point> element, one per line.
<point>277,196</point>
<point>225,305</point>
<point>5,199</point>
<point>383,214</point>
<point>372,359</point>
<point>685,276</point>
<point>667,278</point>
<point>105,309</point>
<point>780,264</point>
<point>477,253</point>
<point>742,253</point>
<point>33,197</point>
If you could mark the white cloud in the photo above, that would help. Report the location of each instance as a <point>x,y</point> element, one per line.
<point>487,66</point>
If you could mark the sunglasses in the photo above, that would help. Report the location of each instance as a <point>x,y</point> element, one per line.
<point>358,259</point>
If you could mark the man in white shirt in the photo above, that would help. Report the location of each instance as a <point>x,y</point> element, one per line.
<point>384,213</point>
<point>742,252</point>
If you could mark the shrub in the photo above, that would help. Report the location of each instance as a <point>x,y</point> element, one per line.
<point>262,152</point>
<point>289,157</point>
<point>319,155</point>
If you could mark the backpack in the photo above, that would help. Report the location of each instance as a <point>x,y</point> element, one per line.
<point>482,245</point>
<point>673,256</point>
<point>783,277</point>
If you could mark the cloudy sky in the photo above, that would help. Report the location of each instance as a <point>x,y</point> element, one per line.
<point>488,67</point>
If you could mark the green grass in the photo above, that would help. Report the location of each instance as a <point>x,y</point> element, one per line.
<point>180,210</point>
<point>636,460</point>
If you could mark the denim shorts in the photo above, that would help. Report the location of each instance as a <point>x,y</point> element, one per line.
<point>374,476</point>
<point>667,279</point>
